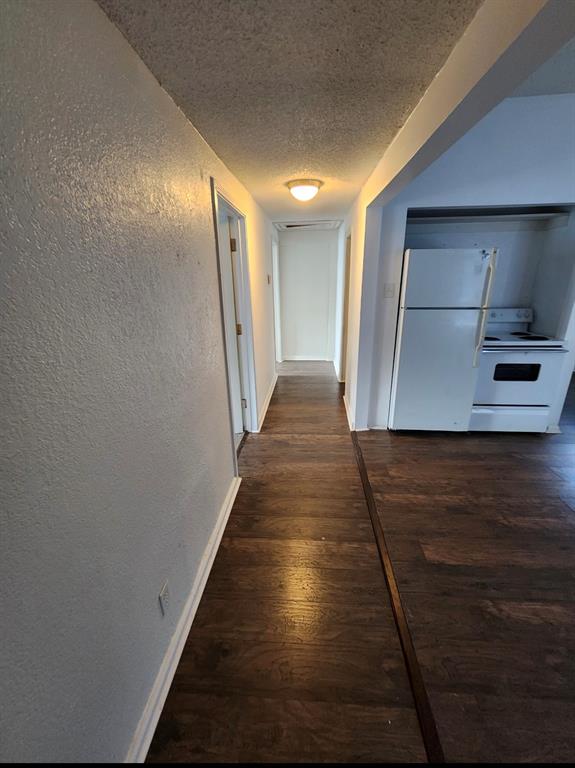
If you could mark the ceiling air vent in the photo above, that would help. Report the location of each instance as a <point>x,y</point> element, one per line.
<point>286,226</point>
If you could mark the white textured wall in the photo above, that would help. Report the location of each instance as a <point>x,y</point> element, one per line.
<point>308,282</point>
<point>115,449</point>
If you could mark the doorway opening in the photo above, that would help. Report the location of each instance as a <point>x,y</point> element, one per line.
<point>309,277</point>
<point>235,300</point>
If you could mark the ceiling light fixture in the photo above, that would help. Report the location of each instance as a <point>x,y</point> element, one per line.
<point>304,189</point>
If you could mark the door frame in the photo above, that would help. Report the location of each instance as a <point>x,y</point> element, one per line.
<point>345,303</point>
<point>243,310</point>
<point>277,299</point>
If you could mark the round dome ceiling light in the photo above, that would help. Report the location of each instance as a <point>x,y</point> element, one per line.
<point>304,189</point>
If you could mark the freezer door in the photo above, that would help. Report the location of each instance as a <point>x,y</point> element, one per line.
<point>435,372</point>
<point>458,278</point>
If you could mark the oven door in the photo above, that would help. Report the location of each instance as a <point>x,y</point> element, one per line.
<point>518,376</point>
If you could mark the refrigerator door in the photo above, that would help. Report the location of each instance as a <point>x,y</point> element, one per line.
<point>458,278</point>
<point>435,372</point>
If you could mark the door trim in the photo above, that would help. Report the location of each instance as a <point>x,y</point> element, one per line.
<point>345,307</point>
<point>277,299</point>
<point>247,367</point>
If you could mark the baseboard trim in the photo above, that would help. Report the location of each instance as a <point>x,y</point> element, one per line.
<point>307,359</point>
<point>146,727</point>
<point>347,413</point>
<point>265,406</point>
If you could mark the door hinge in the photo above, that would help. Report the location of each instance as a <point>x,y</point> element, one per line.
<point>244,402</point>
<point>239,329</point>
<point>233,246</point>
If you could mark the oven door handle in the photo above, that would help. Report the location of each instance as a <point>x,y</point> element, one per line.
<point>479,337</point>
<point>503,350</point>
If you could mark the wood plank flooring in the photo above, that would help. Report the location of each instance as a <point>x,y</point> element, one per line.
<point>305,368</point>
<point>481,531</point>
<point>293,655</point>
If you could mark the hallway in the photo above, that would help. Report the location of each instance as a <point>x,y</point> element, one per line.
<point>294,655</point>
<point>211,213</point>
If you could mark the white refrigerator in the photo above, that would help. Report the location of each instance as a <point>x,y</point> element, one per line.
<point>444,297</point>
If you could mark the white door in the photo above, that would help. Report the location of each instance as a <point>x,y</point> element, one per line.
<point>230,322</point>
<point>308,281</point>
<point>440,277</point>
<point>435,371</point>
<point>277,302</point>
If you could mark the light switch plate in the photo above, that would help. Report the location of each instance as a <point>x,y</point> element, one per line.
<point>388,290</point>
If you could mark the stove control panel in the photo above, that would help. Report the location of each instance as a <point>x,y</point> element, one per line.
<point>514,315</point>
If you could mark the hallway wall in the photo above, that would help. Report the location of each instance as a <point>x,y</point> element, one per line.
<point>481,71</point>
<point>308,283</point>
<point>116,447</point>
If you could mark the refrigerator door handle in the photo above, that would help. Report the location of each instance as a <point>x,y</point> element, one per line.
<point>479,337</point>
<point>488,286</point>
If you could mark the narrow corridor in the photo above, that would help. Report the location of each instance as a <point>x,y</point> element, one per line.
<point>213,211</point>
<point>294,654</point>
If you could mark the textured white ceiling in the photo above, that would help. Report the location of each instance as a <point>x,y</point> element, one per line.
<point>557,75</point>
<point>288,88</point>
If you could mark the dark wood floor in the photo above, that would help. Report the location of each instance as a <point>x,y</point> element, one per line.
<point>481,531</point>
<point>293,655</point>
